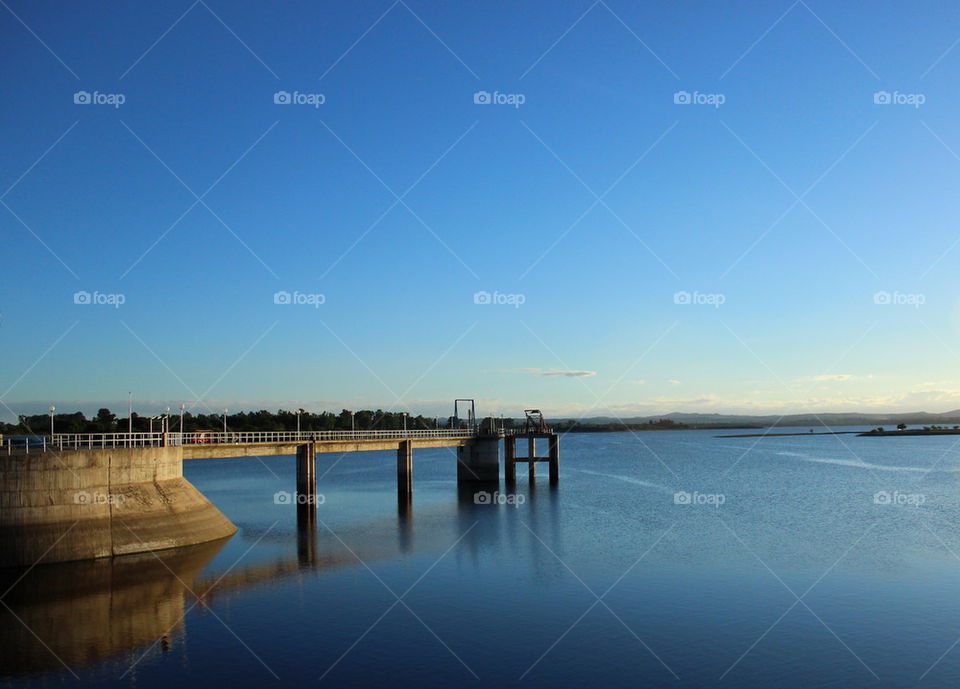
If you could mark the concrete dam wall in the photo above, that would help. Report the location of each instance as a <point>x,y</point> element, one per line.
<point>84,504</point>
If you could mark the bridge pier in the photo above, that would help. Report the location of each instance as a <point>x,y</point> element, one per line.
<point>479,460</point>
<point>405,467</point>
<point>511,460</point>
<point>306,473</point>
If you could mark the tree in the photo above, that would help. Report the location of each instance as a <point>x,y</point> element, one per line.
<point>901,426</point>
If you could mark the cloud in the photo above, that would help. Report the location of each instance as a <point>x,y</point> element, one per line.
<point>566,373</point>
<point>674,382</point>
<point>829,376</point>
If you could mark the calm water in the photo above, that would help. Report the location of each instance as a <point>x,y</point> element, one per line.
<point>698,594</point>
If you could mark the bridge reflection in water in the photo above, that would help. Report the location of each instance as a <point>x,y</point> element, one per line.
<point>62,617</point>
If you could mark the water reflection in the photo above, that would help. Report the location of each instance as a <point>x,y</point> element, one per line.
<point>75,614</point>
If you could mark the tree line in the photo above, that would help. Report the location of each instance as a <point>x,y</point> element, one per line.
<point>105,421</point>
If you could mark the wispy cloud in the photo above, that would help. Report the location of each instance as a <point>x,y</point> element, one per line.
<point>826,377</point>
<point>564,373</point>
<point>674,382</point>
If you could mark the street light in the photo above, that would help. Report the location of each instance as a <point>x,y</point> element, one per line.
<point>52,409</point>
<point>182,407</point>
<point>404,421</point>
<point>353,427</point>
<point>298,421</point>
<point>129,413</point>
<point>224,419</point>
<point>166,420</point>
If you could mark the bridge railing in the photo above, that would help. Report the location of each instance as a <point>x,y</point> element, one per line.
<point>92,441</point>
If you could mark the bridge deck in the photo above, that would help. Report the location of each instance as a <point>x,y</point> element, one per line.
<point>218,450</point>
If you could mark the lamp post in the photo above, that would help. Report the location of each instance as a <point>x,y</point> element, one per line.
<point>166,419</point>
<point>353,427</point>
<point>224,420</point>
<point>52,409</point>
<point>298,422</point>
<point>404,421</point>
<point>129,413</point>
<point>182,407</point>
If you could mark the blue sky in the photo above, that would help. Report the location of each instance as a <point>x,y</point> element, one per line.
<point>810,228</point>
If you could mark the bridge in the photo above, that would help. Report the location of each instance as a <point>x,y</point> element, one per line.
<point>78,496</point>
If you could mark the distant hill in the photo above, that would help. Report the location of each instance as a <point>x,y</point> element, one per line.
<point>949,418</point>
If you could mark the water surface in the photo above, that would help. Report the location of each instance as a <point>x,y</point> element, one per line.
<point>661,559</point>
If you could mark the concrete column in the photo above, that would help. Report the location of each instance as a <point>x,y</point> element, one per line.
<point>554,458</point>
<point>510,459</point>
<point>479,460</point>
<point>306,473</point>
<point>405,467</point>
<point>307,533</point>
<point>531,447</point>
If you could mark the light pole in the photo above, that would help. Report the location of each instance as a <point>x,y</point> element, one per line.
<point>52,409</point>
<point>404,421</point>
<point>166,420</point>
<point>353,427</point>
<point>298,421</point>
<point>182,407</point>
<point>224,420</point>
<point>129,413</point>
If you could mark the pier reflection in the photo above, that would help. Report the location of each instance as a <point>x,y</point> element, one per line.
<point>77,614</point>
<point>74,614</point>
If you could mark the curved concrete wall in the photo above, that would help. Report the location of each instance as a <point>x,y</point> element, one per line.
<point>84,504</point>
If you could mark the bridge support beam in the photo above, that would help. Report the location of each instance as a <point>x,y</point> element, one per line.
<point>531,455</point>
<point>479,460</point>
<point>405,467</point>
<point>306,473</point>
<point>510,459</point>
<point>554,443</point>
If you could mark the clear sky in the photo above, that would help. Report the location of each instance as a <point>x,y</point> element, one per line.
<point>790,170</point>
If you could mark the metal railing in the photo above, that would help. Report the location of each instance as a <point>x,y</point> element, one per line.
<point>93,441</point>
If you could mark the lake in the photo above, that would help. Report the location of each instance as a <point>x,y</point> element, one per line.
<point>670,558</point>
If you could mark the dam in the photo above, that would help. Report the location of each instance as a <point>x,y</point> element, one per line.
<point>88,496</point>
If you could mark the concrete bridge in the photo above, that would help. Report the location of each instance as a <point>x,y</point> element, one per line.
<point>71,497</point>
